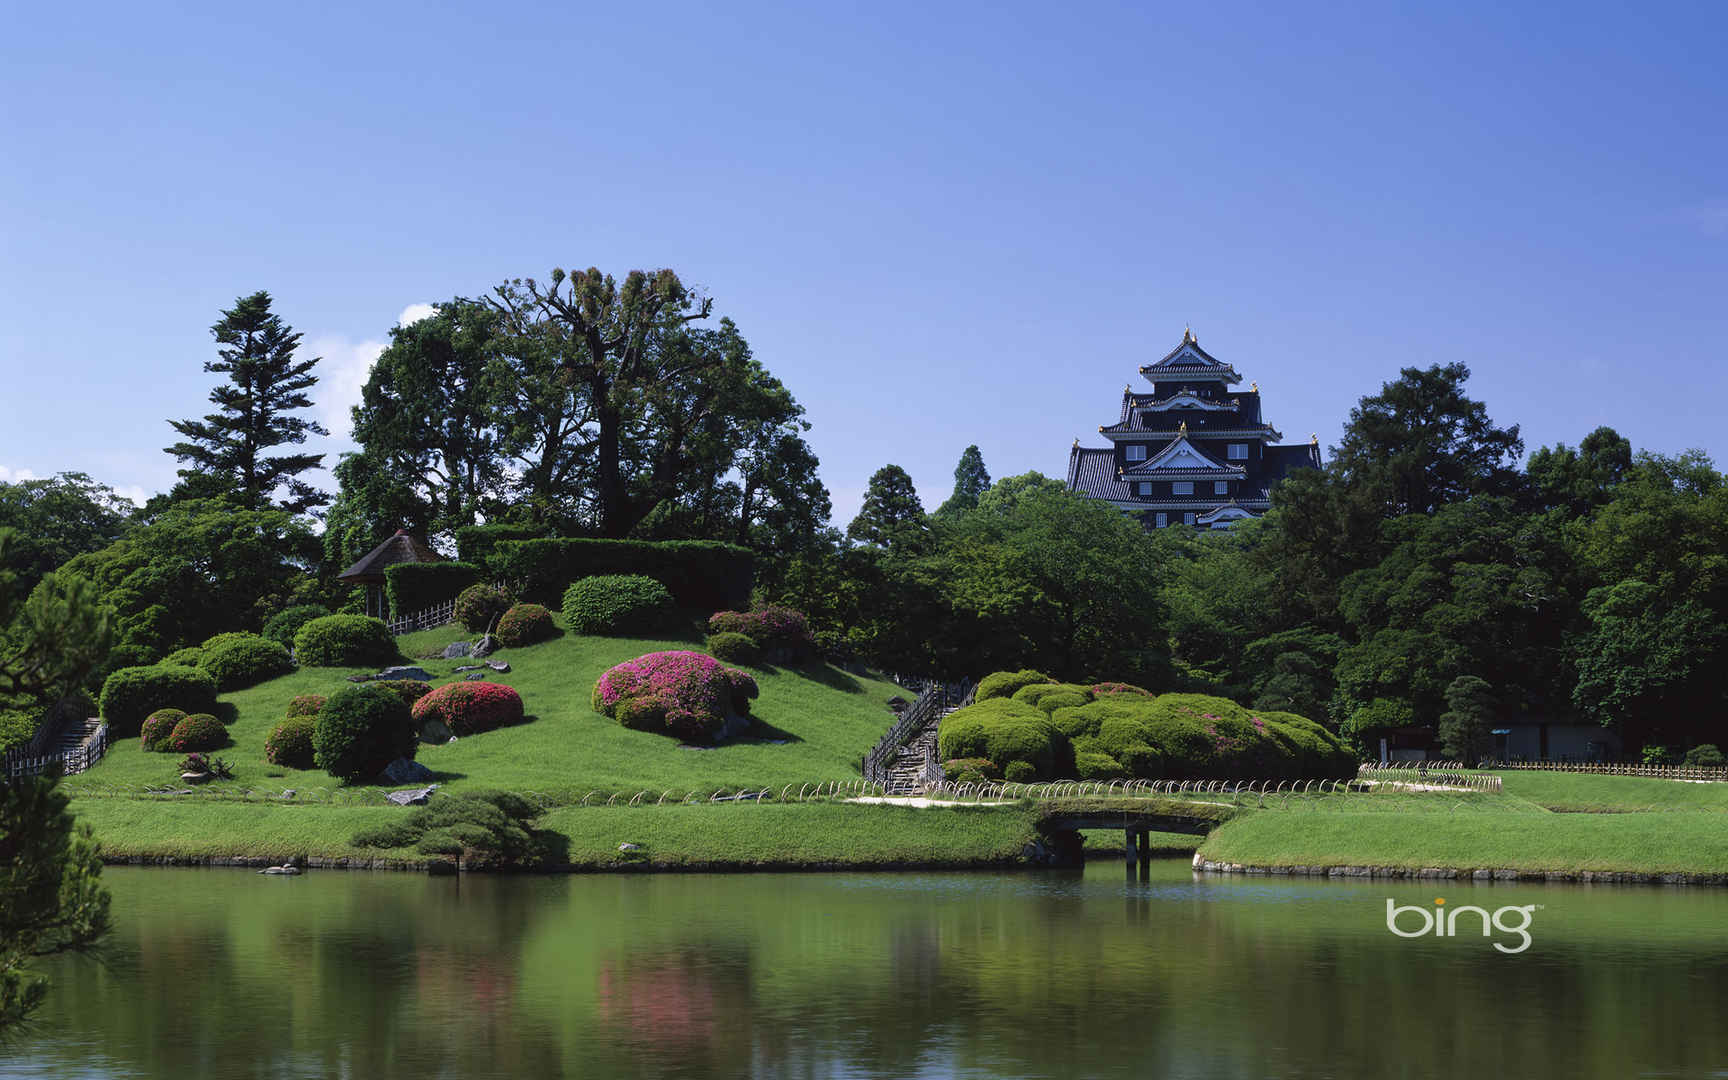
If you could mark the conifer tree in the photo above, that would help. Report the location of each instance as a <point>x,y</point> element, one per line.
<point>228,449</point>
<point>1466,727</point>
<point>971,479</point>
<point>891,517</point>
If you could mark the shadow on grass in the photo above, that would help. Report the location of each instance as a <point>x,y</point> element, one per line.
<point>762,732</point>
<point>227,712</point>
<point>831,677</point>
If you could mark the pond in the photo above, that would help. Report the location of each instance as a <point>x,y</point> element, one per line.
<point>226,973</point>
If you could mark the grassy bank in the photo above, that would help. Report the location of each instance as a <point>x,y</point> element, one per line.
<point>728,836</point>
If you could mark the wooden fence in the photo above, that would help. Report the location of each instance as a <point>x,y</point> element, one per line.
<point>926,710</point>
<point>436,615</point>
<point>1659,772</point>
<point>34,760</point>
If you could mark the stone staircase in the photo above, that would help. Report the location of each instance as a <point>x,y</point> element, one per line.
<point>906,774</point>
<point>73,745</point>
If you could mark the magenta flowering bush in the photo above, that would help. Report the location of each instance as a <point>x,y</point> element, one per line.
<point>782,632</point>
<point>689,695</point>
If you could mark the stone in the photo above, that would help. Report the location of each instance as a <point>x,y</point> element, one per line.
<point>286,869</point>
<point>405,771</point>
<point>404,672</point>
<point>486,646</point>
<point>458,648</point>
<point>413,796</point>
<point>435,731</point>
<point>470,667</point>
<point>474,675</point>
<point>288,793</point>
<point>359,678</point>
<point>195,777</point>
<point>629,847</point>
<point>498,665</point>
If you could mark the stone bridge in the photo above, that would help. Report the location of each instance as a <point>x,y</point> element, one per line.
<point>1060,821</point>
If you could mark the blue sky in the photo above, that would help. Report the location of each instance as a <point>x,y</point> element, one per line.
<point>939,224</point>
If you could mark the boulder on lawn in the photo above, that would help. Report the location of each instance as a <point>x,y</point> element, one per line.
<point>486,646</point>
<point>413,796</point>
<point>471,676</point>
<point>498,665</point>
<point>435,731</point>
<point>404,672</point>
<point>458,648</point>
<point>405,771</point>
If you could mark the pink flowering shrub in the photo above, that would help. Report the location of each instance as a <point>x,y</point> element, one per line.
<point>782,632</point>
<point>689,695</point>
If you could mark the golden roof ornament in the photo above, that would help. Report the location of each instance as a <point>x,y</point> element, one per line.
<point>1183,430</point>
<point>1188,337</point>
<point>1313,438</point>
<point>1255,386</point>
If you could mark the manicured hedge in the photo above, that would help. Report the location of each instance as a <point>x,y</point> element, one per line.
<point>360,730</point>
<point>290,743</point>
<point>413,587</point>
<point>409,690</point>
<point>782,632</point>
<point>734,648</point>
<point>244,660</point>
<point>187,657</point>
<point>477,544</point>
<point>621,604</point>
<point>154,732</point>
<point>970,770</point>
<point>526,624</point>
<point>700,574</point>
<point>1062,729</point>
<point>282,626</point>
<point>1007,683</point>
<point>468,708</point>
<point>200,731</point>
<point>479,606</point>
<point>306,705</point>
<point>685,694</point>
<point>344,641</point>
<point>131,694</point>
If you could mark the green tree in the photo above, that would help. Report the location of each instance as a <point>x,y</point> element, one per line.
<point>1421,443</point>
<point>891,517</point>
<point>1580,480</point>
<point>57,518</point>
<point>1466,727</point>
<point>51,895</point>
<point>971,480</point>
<point>228,450</point>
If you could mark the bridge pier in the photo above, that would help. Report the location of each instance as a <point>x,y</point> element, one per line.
<point>1137,851</point>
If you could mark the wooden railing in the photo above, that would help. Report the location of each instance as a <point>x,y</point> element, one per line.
<point>436,615</point>
<point>1659,772</point>
<point>924,711</point>
<point>32,759</point>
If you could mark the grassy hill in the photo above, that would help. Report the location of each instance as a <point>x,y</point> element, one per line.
<point>814,724</point>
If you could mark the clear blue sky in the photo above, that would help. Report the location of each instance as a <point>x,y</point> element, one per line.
<point>938,224</point>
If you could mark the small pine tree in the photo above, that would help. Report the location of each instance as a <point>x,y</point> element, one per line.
<point>971,479</point>
<point>227,449</point>
<point>1466,727</point>
<point>892,517</point>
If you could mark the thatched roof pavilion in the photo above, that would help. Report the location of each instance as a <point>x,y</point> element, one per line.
<point>369,571</point>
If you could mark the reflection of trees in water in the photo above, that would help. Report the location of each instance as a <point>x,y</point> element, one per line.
<point>683,1008</point>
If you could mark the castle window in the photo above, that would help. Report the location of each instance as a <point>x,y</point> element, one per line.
<point>1161,521</point>
<point>1143,488</point>
<point>1137,452</point>
<point>1188,518</point>
<point>1238,451</point>
<point>1182,487</point>
<point>1221,487</point>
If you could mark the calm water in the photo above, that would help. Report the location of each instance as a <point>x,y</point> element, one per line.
<point>224,973</point>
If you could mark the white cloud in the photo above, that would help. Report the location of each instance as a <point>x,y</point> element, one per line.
<point>14,476</point>
<point>344,370</point>
<point>134,493</point>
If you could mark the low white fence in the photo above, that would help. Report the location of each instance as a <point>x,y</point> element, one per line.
<point>1659,772</point>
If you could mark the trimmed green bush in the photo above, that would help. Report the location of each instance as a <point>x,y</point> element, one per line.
<point>290,743</point>
<point>187,657</point>
<point>282,626</point>
<point>482,828</point>
<point>412,587</point>
<point>244,660</point>
<point>360,730</point>
<point>782,633</point>
<point>17,727</point>
<point>700,574</point>
<point>306,705</point>
<point>131,694</point>
<point>409,690</point>
<point>1706,755</point>
<point>344,641</point>
<point>617,604</point>
<point>200,731</point>
<point>970,770</point>
<point>1004,731</point>
<point>1019,772</point>
<point>1007,683</point>
<point>734,648</point>
<point>480,606</point>
<point>154,732</point>
<point>1094,766</point>
<point>525,624</point>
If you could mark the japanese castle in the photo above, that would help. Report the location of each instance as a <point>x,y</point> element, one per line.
<point>1192,452</point>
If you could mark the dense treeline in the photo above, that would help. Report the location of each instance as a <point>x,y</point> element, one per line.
<point>1424,578</point>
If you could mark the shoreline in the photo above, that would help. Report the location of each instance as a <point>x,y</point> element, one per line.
<point>1477,875</point>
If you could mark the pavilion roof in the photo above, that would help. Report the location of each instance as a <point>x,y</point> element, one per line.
<point>400,548</point>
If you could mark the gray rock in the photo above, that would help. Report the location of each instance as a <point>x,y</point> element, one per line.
<point>404,672</point>
<point>486,646</point>
<point>474,675</point>
<point>361,678</point>
<point>458,648</point>
<point>498,665</point>
<point>629,847</point>
<point>405,771</point>
<point>413,796</point>
<point>280,870</point>
<point>435,731</point>
<point>470,667</point>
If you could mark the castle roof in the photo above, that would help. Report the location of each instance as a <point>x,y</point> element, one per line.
<point>1189,361</point>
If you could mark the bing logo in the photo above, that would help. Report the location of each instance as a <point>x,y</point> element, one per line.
<point>1442,921</point>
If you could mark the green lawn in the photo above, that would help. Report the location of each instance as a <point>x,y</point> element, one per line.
<point>1588,792</point>
<point>826,718</point>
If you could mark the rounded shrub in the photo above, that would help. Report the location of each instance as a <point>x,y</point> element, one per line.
<point>1705,755</point>
<point>282,626</point>
<point>131,694</point>
<point>734,648</point>
<point>187,657</point>
<point>1019,772</point>
<point>154,732</point>
<point>617,604</point>
<point>344,641</point>
<point>970,770</point>
<point>468,708</point>
<point>1007,683</point>
<point>478,606</point>
<point>200,731</point>
<point>525,624</point>
<point>409,690</point>
<point>783,633</point>
<point>360,730</point>
<point>290,743</point>
<point>306,705</point>
<point>1089,765</point>
<point>689,695</point>
<point>244,660</point>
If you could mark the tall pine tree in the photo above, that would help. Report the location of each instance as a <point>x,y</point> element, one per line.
<point>228,449</point>
<point>971,479</point>
<point>892,517</point>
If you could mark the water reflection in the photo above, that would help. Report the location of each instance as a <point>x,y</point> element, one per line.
<point>223,973</point>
